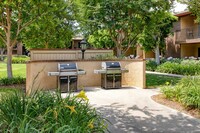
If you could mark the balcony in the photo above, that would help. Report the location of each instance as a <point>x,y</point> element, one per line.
<point>188,35</point>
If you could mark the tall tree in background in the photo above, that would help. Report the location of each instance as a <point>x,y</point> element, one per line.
<point>54,30</point>
<point>124,20</point>
<point>194,7</point>
<point>154,34</point>
<point>16,16</point>
<point>101,39</point>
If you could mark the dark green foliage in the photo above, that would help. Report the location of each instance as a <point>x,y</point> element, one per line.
<point>187,91</point>
<point>46,112</point>
<point>19,59</point>
<point>14,80</point>
<point>183,67</point>
<point>151,65</point>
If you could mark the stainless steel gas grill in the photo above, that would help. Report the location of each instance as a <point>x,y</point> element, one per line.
<point>111,74</point>
<point>67,76</point>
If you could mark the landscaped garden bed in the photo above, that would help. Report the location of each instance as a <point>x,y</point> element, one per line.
<point>175,66</point>
<point>48,112</point>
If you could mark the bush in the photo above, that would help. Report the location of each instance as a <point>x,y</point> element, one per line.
<point>187,91</point>
<point>46,112</point>
<point>168,67</point>
<point>183,67</point>
<point>151,65</point>
<point>19,59</point>
<point>14,80</point>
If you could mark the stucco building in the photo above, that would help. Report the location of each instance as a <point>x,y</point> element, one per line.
<point>187,34</point>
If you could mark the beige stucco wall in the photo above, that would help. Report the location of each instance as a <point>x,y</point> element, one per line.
<point>187,21</point>
<point>37,77</point>
<point>188,50</point>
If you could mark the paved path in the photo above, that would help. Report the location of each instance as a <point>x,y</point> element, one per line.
<point>166,74</point>
<point>131,110</point>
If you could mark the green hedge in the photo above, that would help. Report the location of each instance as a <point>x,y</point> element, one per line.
<point>14,80</point>
<point>151,65</point>
<point>19,59</point>
<point>187,91</point>
<point>182,67</point>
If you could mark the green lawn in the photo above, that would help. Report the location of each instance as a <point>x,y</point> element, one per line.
<point>153,80</point>
<point>18,70</point>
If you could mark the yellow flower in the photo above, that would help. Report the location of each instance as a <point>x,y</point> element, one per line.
<point>91,125</point>
<point>167,83</point>
<point>55,114</point>
<point>72,109</point>
<point>82,95</point>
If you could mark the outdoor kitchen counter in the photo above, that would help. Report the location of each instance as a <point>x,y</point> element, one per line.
<point>37,73</point>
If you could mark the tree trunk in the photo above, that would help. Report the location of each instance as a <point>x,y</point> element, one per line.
<point>157,54</point>
<point>2,50</point>
<point>9,61</point>
<point>119,50</point>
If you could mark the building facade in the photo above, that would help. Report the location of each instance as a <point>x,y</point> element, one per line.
<point>187,34</point>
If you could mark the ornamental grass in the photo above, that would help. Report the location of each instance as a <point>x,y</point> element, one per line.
<point>46,112</point>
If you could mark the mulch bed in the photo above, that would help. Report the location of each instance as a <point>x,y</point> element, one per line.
<point>160,98</point>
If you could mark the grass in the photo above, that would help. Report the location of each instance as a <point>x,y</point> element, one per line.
<point>19,70</point>
<point>154,81</point>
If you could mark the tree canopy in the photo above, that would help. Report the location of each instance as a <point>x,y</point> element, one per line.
<point>26,16</point>
<point>193,6</point>
<point>124,20</point>
<point>154,34</point>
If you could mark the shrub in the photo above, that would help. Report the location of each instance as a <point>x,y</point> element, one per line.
<point>168,67</point>
<point>48,112</point>
<point>14,80</point>
<point>19,59</point>
<point>103,57</point>
<point>183,67</point>
<point>151,65</point>
<point>187,91</point>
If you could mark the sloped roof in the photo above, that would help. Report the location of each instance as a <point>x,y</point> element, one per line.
<point>183,13</point>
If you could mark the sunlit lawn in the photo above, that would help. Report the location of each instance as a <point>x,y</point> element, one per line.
<point>18,70</point>
<point>154,81</point>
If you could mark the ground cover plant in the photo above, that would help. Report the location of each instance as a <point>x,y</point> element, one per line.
<point>154,81</point>
<point>187,92</point>
<point>49,112</point>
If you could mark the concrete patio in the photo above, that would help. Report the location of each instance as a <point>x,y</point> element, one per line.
<point>131,110</point>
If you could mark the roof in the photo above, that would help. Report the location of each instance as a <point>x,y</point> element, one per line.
<point>183,13</point>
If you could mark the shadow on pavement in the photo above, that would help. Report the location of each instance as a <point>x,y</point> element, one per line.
<point>137,120</point>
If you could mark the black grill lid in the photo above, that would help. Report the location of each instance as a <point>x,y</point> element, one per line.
<point>67,66</point>
<point>111,65</point>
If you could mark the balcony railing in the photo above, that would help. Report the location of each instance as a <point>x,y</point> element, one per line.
<point>187,34</point>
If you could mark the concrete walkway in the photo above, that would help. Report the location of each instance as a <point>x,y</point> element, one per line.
<point>131,110</point>
<point>166,74</point>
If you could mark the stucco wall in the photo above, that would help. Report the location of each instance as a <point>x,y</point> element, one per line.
<point>188,50</point>
<point>187,21</point>
<point>37,77</point>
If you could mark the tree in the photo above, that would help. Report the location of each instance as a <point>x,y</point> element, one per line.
<point>193,6</point>
<point>124,20</point>
<point>54,30</point>
<point>153,36</point>
<point>16,16</point>
<point>2,49</point>
<point>101,39</point>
